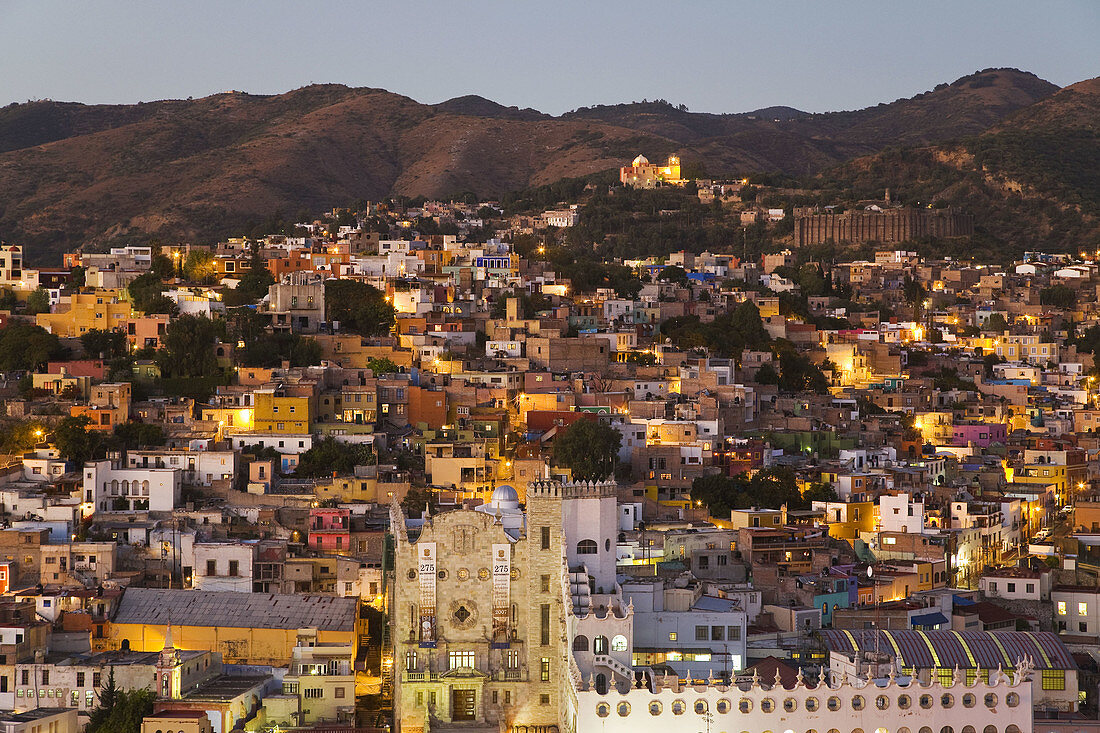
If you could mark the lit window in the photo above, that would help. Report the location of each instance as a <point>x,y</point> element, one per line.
<point>1061,608</point>
<point>1082,609</point>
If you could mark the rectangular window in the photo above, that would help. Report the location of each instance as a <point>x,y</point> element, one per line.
<point>672,636</point>
<point>717,633</point>
<point>234,567</point>
<point>544,624</point>
<point>544,699</point>
<point>1061,608</point>
<point>1054,679</point>
<point>338,692</point>
<point>544,669</point>
<point>545,538</point>
<point>701,633</point>
<point>1011,587</point>
<point>545,581</point>
<point>733,633</point>
<point>1082,609</point>
<point>462,659</point>
<point>211,567</point>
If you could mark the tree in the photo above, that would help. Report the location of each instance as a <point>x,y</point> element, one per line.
<point>382,365</point>
<point>1059,296</point>
<point>766,374</point>
<point>589,449</point>
<point>38,301</point>
<point>770,488</point>
<point>147,294</point>
<point>673,273</point>
<point>119,711</point>
<point>358,307</point>
<point>330,456</point>
<point>199,267</point>
<point>16,438</point>
<point>996,323</point>
<point>24,346</point>
<point>137,435</point>
<point>914,292</point>
<point>104,344</point>
<point>189,346</point>
<point>74,441</point>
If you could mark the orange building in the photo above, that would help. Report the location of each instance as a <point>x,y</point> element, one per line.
<point>427,406</point>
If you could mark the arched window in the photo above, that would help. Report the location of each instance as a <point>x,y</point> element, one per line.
<point>601,684</point>
<point>145,488</point>
<point>618,643</point>
<point>580,644</point>
<point>587,547</point>
<point>599,645</point>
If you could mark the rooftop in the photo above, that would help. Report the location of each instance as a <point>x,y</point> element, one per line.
<point>157,606</point>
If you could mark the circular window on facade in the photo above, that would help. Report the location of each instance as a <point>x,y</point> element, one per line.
<point>882,702</point>
<point>812,704</point>
<point>767,705</point>
<point>745,705</point>
<point>722,706</point>
<point>1012,699</point>
<point>603,710</point>
<point>833,703</point>
<point>990,700</point>
<point>700,707</point>
<point>904,701</point>
<point>514,574</point>
<point>463,574</point>
<point>926,701</point>
<point>790,705</point>
<point>857,702</point>
<point>678,707</point>
<point>654,708</point>
<point>968,700</point>
<point>442,574</point>
<point>483,574</point>
<point>411,575</point>
<point>618,643</point>
<point>946,700</point>
<point>623,709</point>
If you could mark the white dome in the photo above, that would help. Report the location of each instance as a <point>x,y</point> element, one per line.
<point>640,160</point>
<point>505,497</point>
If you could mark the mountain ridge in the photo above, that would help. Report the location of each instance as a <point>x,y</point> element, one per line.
<point>198,169</point>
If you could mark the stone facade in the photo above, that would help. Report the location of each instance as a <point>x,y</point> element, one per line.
<point>896,225</point>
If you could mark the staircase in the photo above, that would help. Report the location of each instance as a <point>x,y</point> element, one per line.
<point>620,669</point>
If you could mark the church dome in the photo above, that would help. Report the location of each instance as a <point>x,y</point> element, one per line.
<point>640,160</point>
<point>505,497</point>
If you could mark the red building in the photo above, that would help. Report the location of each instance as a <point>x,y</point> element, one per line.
<point>330,529</point>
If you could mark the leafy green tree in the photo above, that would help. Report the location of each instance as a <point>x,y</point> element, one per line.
<point>106,344</point>
<point>199,266</point>
<point>797,373</point>
<point>1059,296</point>
<point>382,365</point>
<point>25,346</point>
<point>819,491</point>
<point>673,273</point>
<point>914,292</point>
<point>766,374</point>
<point>74,441</point>
<point>330,456</point>
<point>770,488</point>
<point>996,323</point>
<point>120,711</point>
<point>137,435</point>
<point>147,294</point>
<point>589,449</point>
<point>358,307</point>
<point>38,301</point>
<point>189,346</point>
<point>18,437</point>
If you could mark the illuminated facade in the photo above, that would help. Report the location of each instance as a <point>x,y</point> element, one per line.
<point>643,174</point>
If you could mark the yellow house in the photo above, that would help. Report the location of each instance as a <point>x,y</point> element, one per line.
<point>59,382</point>
<point>105,310</point>
<point>274,412</point>
<point>233,418</point>
<point>847,520</point>
<point>319,686</point>
<point>247,628</point>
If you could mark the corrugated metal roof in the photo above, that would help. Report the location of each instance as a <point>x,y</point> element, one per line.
<point>963,649</point>
<point>157,606</point>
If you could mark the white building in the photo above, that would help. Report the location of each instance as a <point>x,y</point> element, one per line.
<point>110,489</point>
<point>1016,584</point>
<point>200,468</point>
<point>901,513</point>
<point>1076,609</point>
<point>222,566</point>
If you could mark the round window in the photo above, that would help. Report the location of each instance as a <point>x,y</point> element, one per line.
<point>946,700</point>
<point>990,700</point>
<point>904,702</point>
<point>968,700</point>
<point>722,706</point>
<point>618,643</point>
<point>623,709</point>
<point>678,707</point>
<point>882,702</point>
<point>926,701</point>
<point>700,707</point>
<point>1012,699</point>
<point>745,705</point>
<point>767,705</point>
<point>811,704</point>
<point>857,702</point>
<point>603,710</point>
<point>833,703</point>
<point>654,708</point>
<point>790,705</point>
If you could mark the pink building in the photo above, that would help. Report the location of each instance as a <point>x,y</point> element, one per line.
<point>330,529</point>
<point>980,434</point>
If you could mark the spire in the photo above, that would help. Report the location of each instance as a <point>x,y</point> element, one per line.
<point>168,645</point>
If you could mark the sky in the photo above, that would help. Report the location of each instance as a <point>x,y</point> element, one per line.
<point>712,55</point>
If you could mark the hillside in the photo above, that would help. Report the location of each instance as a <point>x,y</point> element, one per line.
<point>1032,180</point>
<point>75,174</point>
